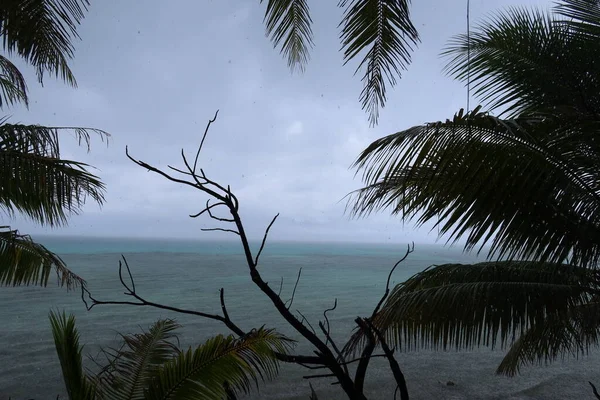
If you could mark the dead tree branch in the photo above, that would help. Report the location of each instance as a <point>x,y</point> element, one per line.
<point>327,354</point>
<point>291,300</point>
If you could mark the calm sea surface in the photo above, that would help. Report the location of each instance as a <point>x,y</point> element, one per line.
<point>189,274</point>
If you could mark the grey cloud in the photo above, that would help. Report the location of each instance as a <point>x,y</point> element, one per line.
<point>153,75</point>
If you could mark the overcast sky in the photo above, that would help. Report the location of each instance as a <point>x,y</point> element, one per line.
<point>153,75</point>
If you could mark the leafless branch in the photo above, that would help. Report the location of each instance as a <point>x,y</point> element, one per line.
<point>346,362</point>
<point>233,327</point>
<point>291,300</point>
<point>280,287</point>
<point>264,239</point>
<point>180,170</point>
<point>318,376</point>
<point>363,364</point>
<point>387,285</point>
<point>91,301</point>
<point>307,321</point>
<point>202,141</point>
<point>329,339</point>
<point>394,366</point>
<point>207,208</point>
<point>327,318</point>
<point>215,217</point>
<point>594,390</point>
<point>219,229</point>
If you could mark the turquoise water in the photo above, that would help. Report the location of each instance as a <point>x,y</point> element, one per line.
<point>189,274</point>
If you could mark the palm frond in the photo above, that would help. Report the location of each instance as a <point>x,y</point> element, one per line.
<point>385,29</point>
<point>490,304</point>
<point>41,32</point>
<point>583,17</point>
<point>521,61</point>
<point>553,338</point>
<point>288,23</point>
<point>202,373</point>
<point>24,262</point>
<point>36,182</point>
<point>66,340</point>
<point>134,365</point>
<point>12,84</point>
<point>540,199</point>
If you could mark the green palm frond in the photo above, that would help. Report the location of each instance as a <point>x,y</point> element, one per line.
<point>135,364</point>
<point>24,262</point>
<point>41,32</point>
<point>522,61</point>
<point>36,182</point>
<point>288,23</point>
<point>202,373</point>
<point>66,340</point>
<point>540,310</point>
<point>12,84</point>
<point>553,338</point>
<point>385,31</point>
<point>583,17</point>
<point>526,185</point>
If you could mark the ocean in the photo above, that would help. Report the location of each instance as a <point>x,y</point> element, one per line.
<point>188,275</point>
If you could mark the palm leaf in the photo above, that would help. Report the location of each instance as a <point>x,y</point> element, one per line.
<point>66,340</point>
<point>583,17</point>
<point>41,32</point>
<point>24,262</point>
<point>540,309</point>
<point>554,338</point>
<point>539,199</point>
<point>202,373</point>
<point>12,84</point>
<point>385,31</point>
<point>522,61</point>
<point>36,181</point>
<point>288,23</point>
<point>134,365</point>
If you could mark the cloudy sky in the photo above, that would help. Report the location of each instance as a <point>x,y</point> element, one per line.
<point>152,76</point>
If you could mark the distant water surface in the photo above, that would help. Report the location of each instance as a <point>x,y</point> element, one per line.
<point>188,274</point>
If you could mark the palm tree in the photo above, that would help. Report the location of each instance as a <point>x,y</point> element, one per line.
<point>525,182</point>
<point>149,365</point>
<point>35,181</point>
<point>381,30</point>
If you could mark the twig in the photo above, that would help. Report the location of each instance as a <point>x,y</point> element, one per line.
<point>264,240</point>
<point>219,229</point>
<point>318,376</point>
<point>306,319</point>
<point>131,291</point>
<point>233,327</point>
<point>291,300</point>
<point>202,141</point>
<point>280,287</point>
<point>327,319</point>
<point>364,325</point>
<point>217,218</point>
<point>394,366</point>
<point>329,339</point>
<point>387,285</point>
<point>594,390</point>
<point>207,208</point>
<point>361,369</point>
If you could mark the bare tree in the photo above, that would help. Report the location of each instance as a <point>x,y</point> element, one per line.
<point>328,355</point>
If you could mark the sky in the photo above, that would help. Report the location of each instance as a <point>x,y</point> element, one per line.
<point>152,76</point>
